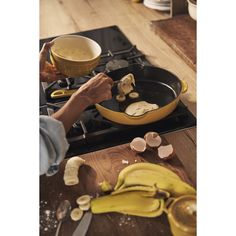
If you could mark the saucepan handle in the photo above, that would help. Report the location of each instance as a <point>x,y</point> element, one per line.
<point>184,86</point>
<point>60,93</point>
<point>168,202</point>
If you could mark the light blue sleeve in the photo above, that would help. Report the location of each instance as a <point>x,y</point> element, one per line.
<point>53,145</point>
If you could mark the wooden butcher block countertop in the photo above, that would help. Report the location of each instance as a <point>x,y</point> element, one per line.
<point>102,165</point>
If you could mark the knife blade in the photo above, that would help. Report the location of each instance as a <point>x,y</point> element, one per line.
<point>82,228</point>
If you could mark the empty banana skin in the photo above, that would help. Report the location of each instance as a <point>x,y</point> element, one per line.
<point>141,189</point>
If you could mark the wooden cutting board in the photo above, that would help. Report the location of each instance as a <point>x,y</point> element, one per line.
<point>179,32</point>
<point>102,165</point>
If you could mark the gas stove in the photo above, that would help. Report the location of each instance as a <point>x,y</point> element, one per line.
<point>93,132</point>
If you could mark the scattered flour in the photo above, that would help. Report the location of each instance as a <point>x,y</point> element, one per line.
<point>126,220</point>
<point>48,221</point>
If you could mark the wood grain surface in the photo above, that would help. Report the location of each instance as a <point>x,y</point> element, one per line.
<point>102,165</point>
<point>179,33</point>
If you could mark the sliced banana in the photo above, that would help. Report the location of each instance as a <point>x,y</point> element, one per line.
<point>120,98</point>
<point>76,214</point>
<point>85,207</point>
<point>133,95</point>
<point>83,200</point>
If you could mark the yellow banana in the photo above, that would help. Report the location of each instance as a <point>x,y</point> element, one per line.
<point>125,202</point>
<point>143,166</point>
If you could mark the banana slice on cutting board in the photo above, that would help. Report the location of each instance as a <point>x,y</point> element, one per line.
<point>83,200</point>
<point>76,214</point>
<point>85,207</point>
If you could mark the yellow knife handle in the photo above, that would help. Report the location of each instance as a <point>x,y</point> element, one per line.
<point>61,93</point>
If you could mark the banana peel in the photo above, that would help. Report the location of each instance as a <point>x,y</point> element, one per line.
<point>153,175</point>
<point>149,190</point>
<point>126,202</point>
<point>174,186</point>
<point>143,166</point>
<point>155,213</point>
<point>137,189</point>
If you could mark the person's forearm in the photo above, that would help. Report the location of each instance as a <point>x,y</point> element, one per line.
<point>71,111</point>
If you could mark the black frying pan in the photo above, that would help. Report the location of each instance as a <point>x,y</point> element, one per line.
<point>154,85</point>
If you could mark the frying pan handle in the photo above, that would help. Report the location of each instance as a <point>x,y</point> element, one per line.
<point>184,86</point>
<point>61,93</point>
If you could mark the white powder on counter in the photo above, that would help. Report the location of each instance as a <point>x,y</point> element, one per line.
<point>48,221</point>
<point>126,220</point>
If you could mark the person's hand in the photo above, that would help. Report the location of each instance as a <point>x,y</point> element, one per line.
<point>96,89</point>
<point>48,73</point>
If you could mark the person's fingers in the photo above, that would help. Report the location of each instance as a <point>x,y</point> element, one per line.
<point>55,70</point>
<point>43,54</point>
<point>107,93</point>
<point>47,77</point>
<point>109,86</point>
<point>105,77</point>
<point>46,47</point>
<point>101,74</point>
<point>49,68</point>
<point>109,96</point>
<point>108,79</point>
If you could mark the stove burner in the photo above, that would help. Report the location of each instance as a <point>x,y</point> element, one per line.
<point>115,64</point>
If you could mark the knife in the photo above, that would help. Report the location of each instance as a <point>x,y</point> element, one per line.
<point>82,228</point>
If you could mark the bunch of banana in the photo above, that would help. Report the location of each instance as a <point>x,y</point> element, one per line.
<point>138,191</point>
